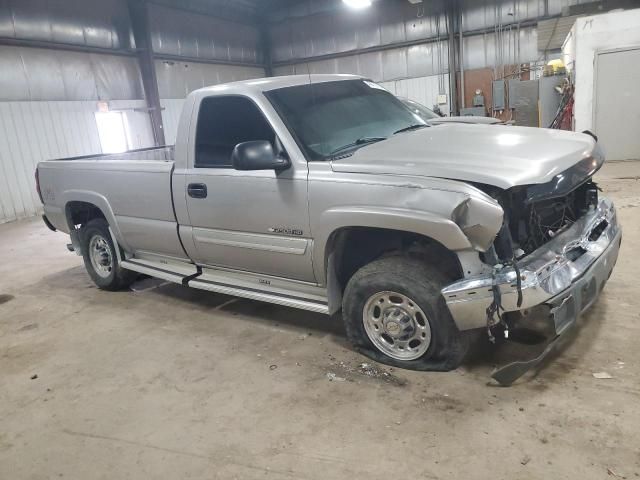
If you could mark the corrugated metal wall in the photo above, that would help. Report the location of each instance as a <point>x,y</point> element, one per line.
<point>344,30</point>
<point>177,79</point>
<point>315,28</point>
<point>47,104</point>
<point>102,24</point>
<point>48,98</point>
<point>31,131</point>
<point>196,36</point>
<point>43,74</point>
<point>406,62</point>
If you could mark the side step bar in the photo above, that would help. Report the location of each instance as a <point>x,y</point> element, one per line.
<point>152,271</point>
<point>290,299</point>
<point>261,295</point>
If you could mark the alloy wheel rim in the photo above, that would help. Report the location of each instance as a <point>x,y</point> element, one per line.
<point>100,256</point>
<point>396,325</point>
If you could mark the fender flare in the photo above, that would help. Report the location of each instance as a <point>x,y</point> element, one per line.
<point>442,230</point>
<point>100,202</point>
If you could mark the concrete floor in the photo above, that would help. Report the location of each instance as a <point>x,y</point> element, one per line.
<point>177,383</point>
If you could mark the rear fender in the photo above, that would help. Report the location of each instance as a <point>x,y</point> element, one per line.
<point>102,204</point>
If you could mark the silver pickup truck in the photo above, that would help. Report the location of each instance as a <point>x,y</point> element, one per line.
<point>326,193</point>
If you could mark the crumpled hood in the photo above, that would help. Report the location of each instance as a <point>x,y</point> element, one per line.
<point>502,157</point>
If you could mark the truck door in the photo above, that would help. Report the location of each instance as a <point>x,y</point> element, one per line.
<point>255,221</point>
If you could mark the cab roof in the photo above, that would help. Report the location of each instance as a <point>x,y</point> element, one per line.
<point>256,85</point>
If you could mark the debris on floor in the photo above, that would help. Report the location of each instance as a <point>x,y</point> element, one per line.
<point>526,459</point>
<point>602,375</point>
<point>611,473</point>
<point>334,378</point>
<point>367,370</point>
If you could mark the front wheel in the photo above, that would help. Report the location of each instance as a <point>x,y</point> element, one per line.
<point>100,259</point>
<point>394,313</point>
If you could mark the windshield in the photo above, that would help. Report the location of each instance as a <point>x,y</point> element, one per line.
<point>337,116</point>
<point>419,109</point>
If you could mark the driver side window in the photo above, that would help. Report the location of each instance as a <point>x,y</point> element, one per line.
<point>223,122</point>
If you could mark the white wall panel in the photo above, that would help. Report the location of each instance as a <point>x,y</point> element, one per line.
<point>424,90</point>
<point>171,110</point>
<point>589,36</point>
<point>139,134</point>
<point>35,131</point>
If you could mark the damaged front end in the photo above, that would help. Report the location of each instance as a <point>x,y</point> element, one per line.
<point>557,248</point>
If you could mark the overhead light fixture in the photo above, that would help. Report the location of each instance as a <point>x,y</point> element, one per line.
<point>357,3</point>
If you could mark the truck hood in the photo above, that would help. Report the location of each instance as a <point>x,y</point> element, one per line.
<point>502,157</point>
<point>476,120</point>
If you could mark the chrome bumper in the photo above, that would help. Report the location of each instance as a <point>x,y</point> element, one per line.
<point>548,275</point>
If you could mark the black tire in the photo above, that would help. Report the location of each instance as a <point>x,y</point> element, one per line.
<point>421,283</point>
<point>118,277</point>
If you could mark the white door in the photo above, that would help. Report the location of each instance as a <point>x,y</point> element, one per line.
<point>617,103</point>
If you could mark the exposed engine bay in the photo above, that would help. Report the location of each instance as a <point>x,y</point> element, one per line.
<point>534,214</point>
<point>533,223</point>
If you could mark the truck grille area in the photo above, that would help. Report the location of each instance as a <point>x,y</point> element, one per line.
<point>532,223</point>
<point>543,219</point>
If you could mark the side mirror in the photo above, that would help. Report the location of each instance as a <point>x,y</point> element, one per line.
<point>257,155</point>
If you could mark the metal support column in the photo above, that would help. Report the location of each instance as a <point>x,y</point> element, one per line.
<point>266,50</point>
<point>452,14</point>
<point>138,11</point>
<point>461,61</point>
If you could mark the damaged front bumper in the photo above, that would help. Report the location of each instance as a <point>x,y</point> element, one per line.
<point>567,274</point>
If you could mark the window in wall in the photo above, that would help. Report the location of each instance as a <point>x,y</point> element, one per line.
<point>224,122</point>
<point>112,131</point>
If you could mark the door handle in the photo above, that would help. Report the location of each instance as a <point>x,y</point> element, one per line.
<point>197,190</point>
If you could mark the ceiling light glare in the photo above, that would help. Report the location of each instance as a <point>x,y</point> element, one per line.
<point>357,4</point>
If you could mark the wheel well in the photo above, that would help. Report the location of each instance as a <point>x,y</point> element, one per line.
<point>351,248</point>
<point>79,213</point>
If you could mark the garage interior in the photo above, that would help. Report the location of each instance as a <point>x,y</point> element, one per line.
<point>162,381</point>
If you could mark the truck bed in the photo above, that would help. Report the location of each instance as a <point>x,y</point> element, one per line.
<point>132,189</point>
<point>152,153</point>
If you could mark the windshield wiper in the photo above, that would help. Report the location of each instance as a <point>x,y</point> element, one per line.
<point>411,127</point>
<point>358,142</point>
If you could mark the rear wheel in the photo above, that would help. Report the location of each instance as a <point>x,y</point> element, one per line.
<point>100,259</point>
<point>394,313</point>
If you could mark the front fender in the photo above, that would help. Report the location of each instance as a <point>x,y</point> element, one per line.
<point>443,230</point>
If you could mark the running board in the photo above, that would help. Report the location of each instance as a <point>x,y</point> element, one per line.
<point>254,294</point>
<point>189,275</point>
<point>153,271</point>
